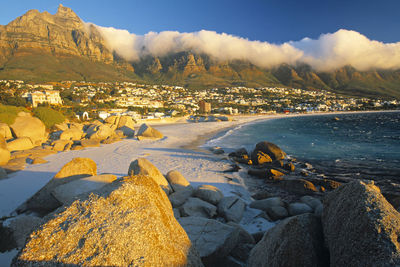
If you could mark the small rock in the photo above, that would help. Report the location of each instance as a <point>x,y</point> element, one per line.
<point>90,143</point>
<point>145,131</point>
<point>299,208</point>
<point>209,193</point>
<point>298,186</point>
<point>311,201</point>
<point>231,208</point>
<point>198,208</point>
<point>178,198</point>
<point>277,213</point>
<point>177,180</point>
<point>265,204</point>
<point>38,161</point>
<point>212,239</point>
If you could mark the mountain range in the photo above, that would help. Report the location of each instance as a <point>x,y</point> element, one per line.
<point>44,47</point>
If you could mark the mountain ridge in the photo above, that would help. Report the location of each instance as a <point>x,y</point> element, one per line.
<point>44,47</point>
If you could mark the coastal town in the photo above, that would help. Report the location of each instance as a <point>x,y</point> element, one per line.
<point>145,101</point>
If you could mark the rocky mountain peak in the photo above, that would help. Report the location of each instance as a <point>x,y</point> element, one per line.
<point>66,12</point>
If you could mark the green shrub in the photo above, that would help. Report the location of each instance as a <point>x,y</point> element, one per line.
<point>48,116</point>
<point>9,113</point>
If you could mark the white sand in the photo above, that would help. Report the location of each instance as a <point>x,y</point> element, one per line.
<point>199,167</point>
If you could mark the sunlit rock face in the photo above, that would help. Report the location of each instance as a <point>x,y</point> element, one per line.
<point>127,223</point>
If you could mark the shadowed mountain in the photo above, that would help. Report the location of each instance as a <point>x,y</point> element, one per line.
<point>45,47</point>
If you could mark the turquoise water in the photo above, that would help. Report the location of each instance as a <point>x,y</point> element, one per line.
<point>358,144</point>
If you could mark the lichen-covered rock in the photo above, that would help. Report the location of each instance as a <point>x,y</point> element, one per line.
<point>127,223</point>
<point>298,186</point>
<point>43,201</point>
<point>296,241</point>
<point>360,227</point>
<point>145,131</point>
<point>145,167</point>
<point>212,239</point>
<point>209,193</point>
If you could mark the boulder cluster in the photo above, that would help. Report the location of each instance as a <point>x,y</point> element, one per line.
<point>211,118</point>
<point>27,141</point>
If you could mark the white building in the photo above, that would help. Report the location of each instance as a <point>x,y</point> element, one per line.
<point>40,97</point>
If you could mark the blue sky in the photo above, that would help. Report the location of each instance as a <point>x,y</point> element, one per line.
<point>273,21</point>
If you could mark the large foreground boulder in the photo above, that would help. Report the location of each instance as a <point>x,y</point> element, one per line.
<point>361,227</point>
<point>145,131</point>
<point>145,167</point>
<point>43,201</point>
<point>27,126</point>
<point>296,241</point>
<point>127,223</point>
<point>266,148</point>
<point>212,239</point>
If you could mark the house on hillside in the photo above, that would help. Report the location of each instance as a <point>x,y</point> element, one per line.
<point>41,97</point>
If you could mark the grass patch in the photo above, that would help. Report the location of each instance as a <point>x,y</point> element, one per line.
<point>48,116</point>
<point>9,113</point>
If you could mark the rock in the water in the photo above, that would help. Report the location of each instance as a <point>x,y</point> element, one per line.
<point>90,143</point>
<point>361,228</point>
<point>22,143</point>
<point>179,197</point>
<point>127,223</point>
<point>299,186</point>
<point>43,201</point>
<point>198,208</point>
<point>5,131</point>
<point>209,193</point>
<point>4,152</point>
<point>212,239</point>
<point>231,208</point>
<point>296,241</point>
<point>71,134</point>
<point>27,126</point>
<point>145,131</point>
<point>267,148</point>
<point>177,181</point>
<point>299,208</point>
<point>67,192</point>
<point>145,167</point>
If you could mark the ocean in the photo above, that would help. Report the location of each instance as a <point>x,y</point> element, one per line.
<point>356,145</point>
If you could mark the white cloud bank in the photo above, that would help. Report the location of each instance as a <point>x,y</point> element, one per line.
<point>329,51</point>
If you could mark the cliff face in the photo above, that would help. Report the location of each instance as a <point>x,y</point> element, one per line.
<point>61,34</point>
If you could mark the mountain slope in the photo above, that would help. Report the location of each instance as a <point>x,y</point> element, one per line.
<point>44,47</point>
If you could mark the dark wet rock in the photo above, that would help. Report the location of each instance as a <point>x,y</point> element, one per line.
<point>298,186</point>
<point>267,148</point>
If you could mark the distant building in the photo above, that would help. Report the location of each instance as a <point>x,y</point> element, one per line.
<point>204,107</point>
<point>40,97</point>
